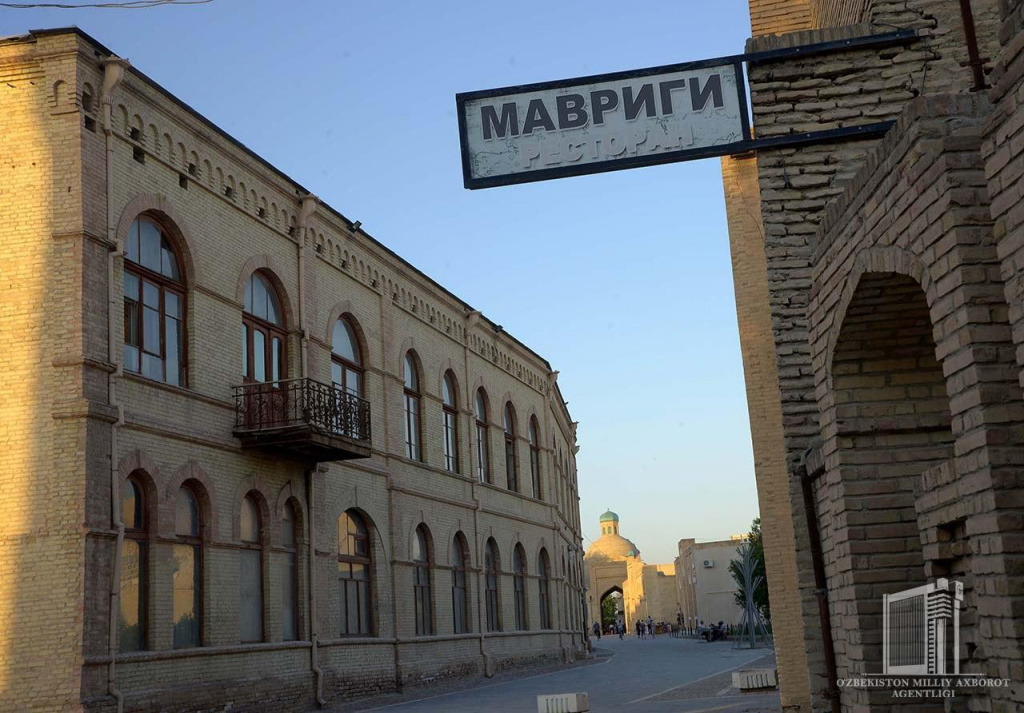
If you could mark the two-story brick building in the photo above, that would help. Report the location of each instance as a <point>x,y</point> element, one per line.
<point>253,458</point>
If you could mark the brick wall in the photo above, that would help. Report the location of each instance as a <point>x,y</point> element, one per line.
<point>772,17</point>
<point>57,507</point>
<point>757,345</point>
<point>42,429</point>
<point>816,93</point>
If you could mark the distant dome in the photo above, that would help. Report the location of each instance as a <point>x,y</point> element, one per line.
<point>611,545</point>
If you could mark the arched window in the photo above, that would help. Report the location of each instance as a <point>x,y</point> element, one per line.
<point>154,305</point>
<point>134,568</point>
<point>346,363</point>
<point>451,422</point>
<point>492,571</point>
<point>460,599</point>
<point>250,578</point>
<point>354,574</point>
<point>508,421</point>
<point>289,574</point>
<point>535,458</point>
<point>263,336</point>
<point>412,407</point>
<point>187,570</point>
<point>421,582</point>
<point>519,585</point>
<point>544,573</point>
<point>482,451</point>
<point>565,624</point>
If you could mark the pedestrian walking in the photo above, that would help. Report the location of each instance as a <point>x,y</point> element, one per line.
<point>621,628</point>
<point>597,630</point>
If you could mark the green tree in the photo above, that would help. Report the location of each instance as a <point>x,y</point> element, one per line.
<point>761,593</point>
<point>609,608</point>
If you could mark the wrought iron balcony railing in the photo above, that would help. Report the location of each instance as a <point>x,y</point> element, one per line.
<point>304,417</point>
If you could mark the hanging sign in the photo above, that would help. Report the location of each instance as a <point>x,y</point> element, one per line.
<point>601,123</point>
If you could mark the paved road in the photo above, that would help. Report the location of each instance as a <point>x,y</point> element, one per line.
<point>662,676</point>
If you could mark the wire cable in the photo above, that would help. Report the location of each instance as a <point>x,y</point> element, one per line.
<point>129,5</point>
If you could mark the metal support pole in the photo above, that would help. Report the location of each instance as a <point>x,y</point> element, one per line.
<point>974,60</point>
<point>821,590</point>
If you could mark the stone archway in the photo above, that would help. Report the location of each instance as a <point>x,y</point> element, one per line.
<point>888,422</point>
<point>611,614</point>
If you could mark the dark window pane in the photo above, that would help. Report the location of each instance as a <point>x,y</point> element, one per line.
<point>185,575</point>
<point>149,245</point>
<point>152,367</point>
<point>131,358</point>
<point>259,355</point>
<point>259,297</point>
<point>132,246</point>
<point>288,526</point>
<point>274,315</point>
<point>275,359</point>
<point>251,596</point>
<point>337,374</point>
<point>168,264</point>
<point>173,343</point>
<point>289,610</point>
<point>245,350</point>
<point>186,514</point>
<point>151,330</point>
<point>131,506</point>
<point>250,521</point>
<point>172,305</point>
<point>343,341</point>
<point>352,382</point>
<point>131,617</point>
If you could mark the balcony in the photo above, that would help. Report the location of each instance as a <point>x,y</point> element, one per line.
<point>302,418</point>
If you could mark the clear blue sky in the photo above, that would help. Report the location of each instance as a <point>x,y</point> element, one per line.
<point>623,280</point>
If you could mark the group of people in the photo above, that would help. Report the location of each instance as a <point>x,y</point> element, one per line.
<point>644,628</point>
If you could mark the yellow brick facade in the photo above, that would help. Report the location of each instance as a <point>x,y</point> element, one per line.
<point>67,402</point>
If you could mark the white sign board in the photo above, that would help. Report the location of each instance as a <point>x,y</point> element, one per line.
<point>602,123</point>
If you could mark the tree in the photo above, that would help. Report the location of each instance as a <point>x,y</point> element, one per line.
<point>761,593</point>
<point>609,610</point>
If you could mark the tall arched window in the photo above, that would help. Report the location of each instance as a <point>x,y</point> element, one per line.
<point>519,585</point>
<point>187,570</point>
<point>346,374</point>
<point>412,407</point>
<point>134,568</point>
<point>482,450</point>
<point>508,421</point>
<point>544,574</point>
<point>263,336</point>
<point>154,305</point>
<point>354,574</point>
<point>460,599</point>
<point>451,423</point>
<point>535,458</point>
<point>421,582</point>
<point>250,579</point>
<point>565,623</point>
<point>346,363</point>
<point>289,574</point>
<point>492,572</point>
